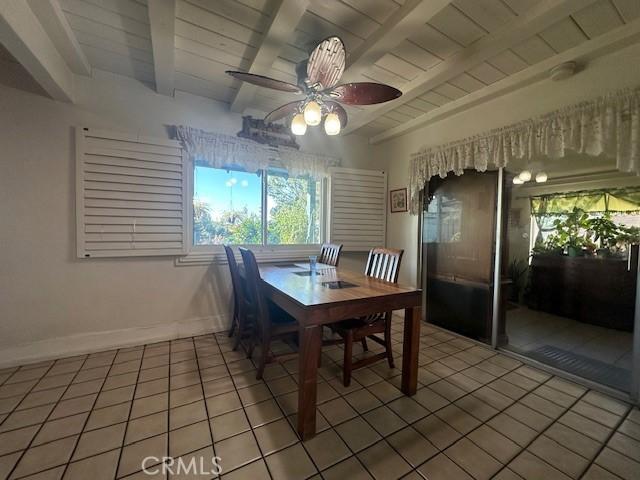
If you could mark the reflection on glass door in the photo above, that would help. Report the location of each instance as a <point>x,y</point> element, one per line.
<point>458,235</point>
<point>572,261</point>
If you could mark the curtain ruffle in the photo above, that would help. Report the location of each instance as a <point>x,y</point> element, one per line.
<point>218,150</point>
<point>609,125</point>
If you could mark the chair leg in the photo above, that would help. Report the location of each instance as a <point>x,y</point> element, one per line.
<point>252,344</point>
<point>387,341</point>
<point>264,354</point>
<point>364,344</point>
<point>348,358</point>
<point>234,319</point>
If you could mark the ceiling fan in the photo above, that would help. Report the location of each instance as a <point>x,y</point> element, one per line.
<point>318,78</point>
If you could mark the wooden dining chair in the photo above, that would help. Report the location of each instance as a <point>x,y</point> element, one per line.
<point>272,323</point>
<point>330,254</point>
<point>383,264</point>
<point>241,322</point>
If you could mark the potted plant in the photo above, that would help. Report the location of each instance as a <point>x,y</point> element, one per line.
<point>569,232</point>
<point>606,232</point>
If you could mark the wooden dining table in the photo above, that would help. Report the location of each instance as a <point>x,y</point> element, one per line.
<point>327,296</point>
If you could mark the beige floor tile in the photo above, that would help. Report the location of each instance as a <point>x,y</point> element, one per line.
<point>413,447</point>
<point>476,407</point>
<point>362,400</point>
<point>458,418</point>
<point>274,436</point>
<point>606,402</point>
<point>43,397</point>
<point>24,387</point>
<point>134,454</point>
<point>254,471</point>
<point>100,467</point>
<point>322,456</point>
<point>385,391</point>
<point>597,414</point>
<point>145,427</point>
<point>491,397</point>
<point>598,473</point>
<point>8,404</point>
<point>237,451</point>
<point>254,394</point>
<point>50,474</point>
<point>160,371</point>
<point>223,403</point>
<point>586,426</point>
<point>7,462</point>
<point>337,411</point>
<point>292,463</point>
<point>115,396</point>
<point>229,424</point>
<point>438,432</point>
<point>383,462</point>
<point>528,416</point>
<point>494,443</point>
<point>556,396</point>
<point>120,381</point>
<point>441,467</point>
<point>357,434</point>
<point>558,456</point>
<point>98,441</point>
<point>350,468</point>
<point>384,420</point>
<point>631,427</point>
<point>263,412</point>
<point>566,386</point>
<point>187,414</point>
<point>625,445</point>
<point>25,418</point>
<point>282,385</point>
<point>108,416</point>
<point>152,387</point>
<point>61,428</point>
<point>218,386</point>
<point>509,389</point>
<point>45,456</point>
<point>430,400</point>
<point>511,428</point>
<point>189,438</point>
<point>408,409</point>
<point>473,459</point>
<point>542,405</point>
<point>530,467</point>
<point>288,403</point>
<point>73,406</point>
<point>17,439</point>
<point>573,440</point>
<point>506,474</point>
<point>619,464</point>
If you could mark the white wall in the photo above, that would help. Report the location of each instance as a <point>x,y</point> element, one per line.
<point>52,303</point>
<point>604,75</point>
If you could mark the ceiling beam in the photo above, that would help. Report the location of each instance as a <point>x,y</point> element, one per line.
<point>604,44</point>
<point>162,20</point>
<point>404,22</point>
<point>544,14</point>
<point>22,34</point>
<point>284,20</point>
<point>55,23</point>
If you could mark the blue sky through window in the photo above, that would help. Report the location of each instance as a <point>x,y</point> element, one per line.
<point>221,189</point>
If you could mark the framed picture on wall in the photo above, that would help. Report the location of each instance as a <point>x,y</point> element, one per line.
<point>398,200</point>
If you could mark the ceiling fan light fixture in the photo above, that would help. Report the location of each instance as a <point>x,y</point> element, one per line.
<point>298,125</point>
<point>517,181</point>
<point>312,113</point>
<point>332,124</point>
<point>541,177</point>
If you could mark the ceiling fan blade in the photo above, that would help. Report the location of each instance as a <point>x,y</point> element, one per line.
<point>326,63</point>
<point>364,93</point>
<point>339,110</point>
<point>262,81</point>
<point>281,112</point>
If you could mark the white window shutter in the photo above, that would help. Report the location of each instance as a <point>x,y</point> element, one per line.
<point>358,212</point>
<point>130,195</point>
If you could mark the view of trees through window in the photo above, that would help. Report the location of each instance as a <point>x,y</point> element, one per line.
<point>227,208</point>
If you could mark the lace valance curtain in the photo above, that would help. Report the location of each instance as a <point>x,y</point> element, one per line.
<point>609,125</point>
<point>218,150</point>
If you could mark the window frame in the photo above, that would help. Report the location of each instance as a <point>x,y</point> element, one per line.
<point>206,254</point>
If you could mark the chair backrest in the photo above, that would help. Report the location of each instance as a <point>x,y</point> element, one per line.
<point>254,290</point>
<point>239,295</point>
<point>330,254</point>
<point>384,263</point>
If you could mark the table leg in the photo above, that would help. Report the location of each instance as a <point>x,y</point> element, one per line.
<point>410,348</point>
<point>309,353</point>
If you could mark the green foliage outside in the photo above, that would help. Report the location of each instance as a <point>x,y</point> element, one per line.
<point>293,219</point>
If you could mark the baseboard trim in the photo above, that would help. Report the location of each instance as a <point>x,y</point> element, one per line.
<point>84,343</point>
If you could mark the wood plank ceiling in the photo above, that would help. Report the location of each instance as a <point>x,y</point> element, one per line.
<point>213,36</point>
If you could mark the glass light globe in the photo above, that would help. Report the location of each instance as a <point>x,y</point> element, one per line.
<point>332,124</point>
<point>312,113</point>
<point>517,181</point>
<point>298,125</point>
<point>525,175</point>
<point>541,177</point>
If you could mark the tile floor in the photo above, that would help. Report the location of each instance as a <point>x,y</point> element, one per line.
<point>477,415</point>
<point>529,329</point>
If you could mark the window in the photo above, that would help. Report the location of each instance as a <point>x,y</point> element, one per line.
<point>264,208</point>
